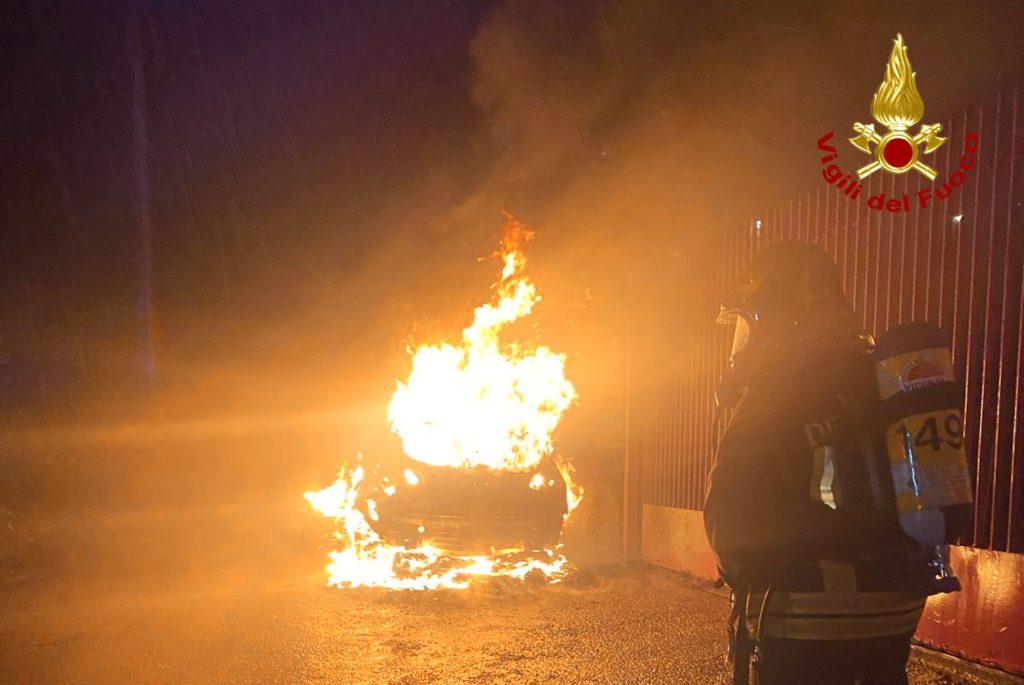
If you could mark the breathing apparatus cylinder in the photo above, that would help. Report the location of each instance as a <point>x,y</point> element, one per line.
<point>920,410</point>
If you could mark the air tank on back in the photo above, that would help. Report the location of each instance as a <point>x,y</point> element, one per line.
<point>921,410</point>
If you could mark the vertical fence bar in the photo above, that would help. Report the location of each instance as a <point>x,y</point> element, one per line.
<point>971,398</point>
<point>1015,527</point>
<point>986,414</point>
<point>1005,449</point>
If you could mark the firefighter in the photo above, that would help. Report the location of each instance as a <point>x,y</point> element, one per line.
<point>826,594</point>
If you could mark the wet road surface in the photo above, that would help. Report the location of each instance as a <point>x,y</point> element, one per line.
<point>214,597</point>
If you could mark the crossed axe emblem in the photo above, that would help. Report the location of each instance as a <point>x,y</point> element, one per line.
<point>928,135</point>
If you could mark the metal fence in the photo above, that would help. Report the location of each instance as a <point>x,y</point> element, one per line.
<point>958,263</point>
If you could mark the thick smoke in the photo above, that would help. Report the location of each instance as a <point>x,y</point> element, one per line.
<point>629,134</point>
<point>325,177</point>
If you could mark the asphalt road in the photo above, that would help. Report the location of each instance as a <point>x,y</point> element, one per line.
<point>217,596</point>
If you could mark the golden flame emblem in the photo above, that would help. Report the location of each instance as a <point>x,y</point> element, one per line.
<point>897,105</point>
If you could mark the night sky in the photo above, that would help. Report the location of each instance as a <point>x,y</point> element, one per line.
<point>321,177</point>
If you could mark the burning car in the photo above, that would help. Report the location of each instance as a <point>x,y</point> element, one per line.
<point>481,491</point>
<point>475,511</point>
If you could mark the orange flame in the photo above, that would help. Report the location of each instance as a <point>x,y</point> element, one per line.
<point>479,404</point>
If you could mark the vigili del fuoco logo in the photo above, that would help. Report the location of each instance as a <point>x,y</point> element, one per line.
<point>897,106</point>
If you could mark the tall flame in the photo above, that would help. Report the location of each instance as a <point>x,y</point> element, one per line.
<point>897,104</point>
<point>481,404</point>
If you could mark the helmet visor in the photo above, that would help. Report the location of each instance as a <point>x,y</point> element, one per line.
<point>741,334</point>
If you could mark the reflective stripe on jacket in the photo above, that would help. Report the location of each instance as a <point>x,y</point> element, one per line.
<point>825,616</point>
<point>838,613</point>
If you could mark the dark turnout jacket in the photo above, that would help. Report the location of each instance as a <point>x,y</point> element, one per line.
<point>770,521</point>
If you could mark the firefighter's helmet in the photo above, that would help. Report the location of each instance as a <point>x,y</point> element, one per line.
<point>789,292</point>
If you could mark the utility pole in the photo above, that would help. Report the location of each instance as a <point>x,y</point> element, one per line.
<point>632,507</point>
<point>141,202</point>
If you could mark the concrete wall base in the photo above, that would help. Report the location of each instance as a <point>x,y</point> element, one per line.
<point>947,663</point>
<point>674,538</point>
